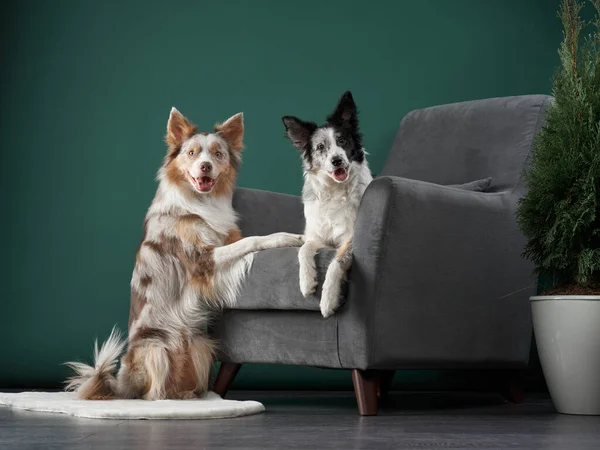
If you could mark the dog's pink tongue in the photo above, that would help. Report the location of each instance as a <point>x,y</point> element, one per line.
<point>340,174</point>
<point>205,184</point>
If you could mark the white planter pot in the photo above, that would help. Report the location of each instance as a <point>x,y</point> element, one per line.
<point>567,332</point>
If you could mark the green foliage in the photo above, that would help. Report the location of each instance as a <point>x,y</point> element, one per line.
<point>560,214</point>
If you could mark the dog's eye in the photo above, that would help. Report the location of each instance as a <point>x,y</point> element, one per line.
<point>341,140</point>
<point>320,147</point>
<point>191,153</point>
<point>219,155</point>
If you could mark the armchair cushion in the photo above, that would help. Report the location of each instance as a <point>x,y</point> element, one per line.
<point>273,281</point>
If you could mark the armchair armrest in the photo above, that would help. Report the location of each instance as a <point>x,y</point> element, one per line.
<point>263,212</point>
<point>437,278</point>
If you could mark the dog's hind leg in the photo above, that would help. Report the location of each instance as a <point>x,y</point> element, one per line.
<point>190,368</point>
<point>308,269</point>
<point>203,351</point>
<point>157,365</point>
<point>334,278</point>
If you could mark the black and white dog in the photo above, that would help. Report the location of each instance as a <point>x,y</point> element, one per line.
<point>336,175</point>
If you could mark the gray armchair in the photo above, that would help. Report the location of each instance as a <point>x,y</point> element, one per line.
<point>437,281</point>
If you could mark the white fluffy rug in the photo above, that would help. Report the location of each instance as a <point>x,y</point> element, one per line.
<point>210,406</point>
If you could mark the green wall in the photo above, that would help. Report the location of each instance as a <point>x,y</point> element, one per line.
<point>85,92</point>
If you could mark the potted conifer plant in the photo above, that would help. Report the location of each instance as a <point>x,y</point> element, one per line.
<point>560,217</point>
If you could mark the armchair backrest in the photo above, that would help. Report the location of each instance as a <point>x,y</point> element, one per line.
<point>463,142</point>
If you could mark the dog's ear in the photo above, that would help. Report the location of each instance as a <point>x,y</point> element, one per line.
<point>298,131</point>
<point>345,113</point>
<point>232,130</point>
<point>178,129</point>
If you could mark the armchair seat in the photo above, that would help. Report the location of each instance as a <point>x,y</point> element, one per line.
<point>273,281</point>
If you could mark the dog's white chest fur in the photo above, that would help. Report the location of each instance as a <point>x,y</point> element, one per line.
<point>330,208</point>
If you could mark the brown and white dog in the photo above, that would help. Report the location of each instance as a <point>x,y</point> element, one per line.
<point>191,261</point>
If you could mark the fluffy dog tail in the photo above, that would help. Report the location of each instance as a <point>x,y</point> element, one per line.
<point>98,382</point>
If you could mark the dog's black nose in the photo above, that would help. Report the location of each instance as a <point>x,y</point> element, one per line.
<point>206,167</point>
<point>336,161</point>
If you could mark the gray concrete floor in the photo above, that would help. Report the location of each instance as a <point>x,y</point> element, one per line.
<point>303,420</point>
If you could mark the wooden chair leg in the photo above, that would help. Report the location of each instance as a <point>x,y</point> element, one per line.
<point>385,383</point>
<point>366,384</point>
<point>225,377</point>
<point>511,388</point>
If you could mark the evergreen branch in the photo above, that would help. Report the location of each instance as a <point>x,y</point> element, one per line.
<point>596,21</point>
<point>573,37</point>
<point>570,14</point>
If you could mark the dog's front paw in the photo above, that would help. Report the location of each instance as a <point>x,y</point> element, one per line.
<point>330,299</point>
<point>290,240</point>
<point>328,307</point>
<point>308,280</point>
